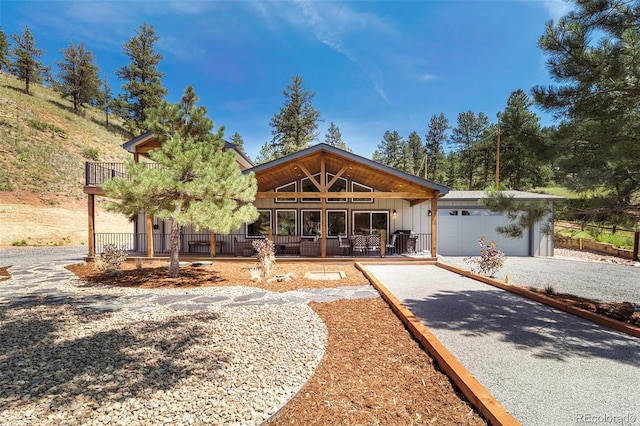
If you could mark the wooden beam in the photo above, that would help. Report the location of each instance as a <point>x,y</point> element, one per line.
<point>405,195</point>
<point>94,190</point>
<point>413,203</point>
<point>337,176</point>
<point>92,225</point>
<point>149,235</point>
<point>434,225</point>
<point>212,244</point>
<point>323,208</point>
<point>310,176</point>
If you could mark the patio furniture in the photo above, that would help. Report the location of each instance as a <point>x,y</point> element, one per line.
<point>205,243</point>
<point>411,243</point>
<point>310,247</point>
<point>390,246</point>
<point>373,243</point>
<point>343,245</point>
<point>359,244</point>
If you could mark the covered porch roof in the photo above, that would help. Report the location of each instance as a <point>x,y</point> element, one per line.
<point>322,158</point>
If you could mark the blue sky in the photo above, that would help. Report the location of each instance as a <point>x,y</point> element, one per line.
<point>374,66</point>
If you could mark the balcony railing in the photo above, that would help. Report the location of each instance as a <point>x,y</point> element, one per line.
<point>95,174</point>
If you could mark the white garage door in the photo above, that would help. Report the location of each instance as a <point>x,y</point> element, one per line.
<point>460,229</point>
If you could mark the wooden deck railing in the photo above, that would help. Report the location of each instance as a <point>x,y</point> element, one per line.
<point>96,174</point>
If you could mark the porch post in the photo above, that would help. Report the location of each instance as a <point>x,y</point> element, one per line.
<point>434,223</point>
<point>149,235</point>
<point>383,242</point>
<point>212,244</point>
<point>323,209</point>
<point>92,225</point>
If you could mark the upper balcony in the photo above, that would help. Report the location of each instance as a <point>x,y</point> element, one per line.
<point>95,174</point>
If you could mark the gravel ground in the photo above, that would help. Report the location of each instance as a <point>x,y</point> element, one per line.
<point>234,364</point>
<point>544,366</point>
<point>580,274</point>
<point>13,256</point>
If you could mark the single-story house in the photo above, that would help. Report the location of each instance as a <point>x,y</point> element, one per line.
<point>321,201</point>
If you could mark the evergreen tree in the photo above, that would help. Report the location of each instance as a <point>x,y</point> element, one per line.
<point>267,153</point>
<point>105,99</point>
<point>333,137</point>
<point>593,54</point>
<point>294,127</point>
<point>78,75</point>
<point>237,140</point>
<point>26,65</point>
<point>188,99</point>
<point>469,131</point>
<point>416,153</point>
<point>394,152</point>
<point>435,140</point>
<point>4,51</point>
<point>142,80</point>
<point>197,183</point>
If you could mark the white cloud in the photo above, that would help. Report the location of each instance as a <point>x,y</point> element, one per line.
<point>181,49</point>
<point>556,8</point>
<point>427,77</point>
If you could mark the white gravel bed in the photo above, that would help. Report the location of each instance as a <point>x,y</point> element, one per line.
<point>233,365</point>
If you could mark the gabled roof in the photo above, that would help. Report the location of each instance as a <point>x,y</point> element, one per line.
<point>146,142</point>
<point>517,195</point>
<point>362,170</point>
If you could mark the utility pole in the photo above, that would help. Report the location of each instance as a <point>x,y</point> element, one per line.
<point>498,158</point>
<point>426,164</point>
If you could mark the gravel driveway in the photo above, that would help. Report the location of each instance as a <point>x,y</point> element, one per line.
<point>597,281</point>
<point>24,256</point>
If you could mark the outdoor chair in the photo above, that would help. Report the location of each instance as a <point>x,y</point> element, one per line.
<point>243,248</point>
<point>390,246</point>
<point>373,243</point>
<point>343,245</point>
<point>359,244</point>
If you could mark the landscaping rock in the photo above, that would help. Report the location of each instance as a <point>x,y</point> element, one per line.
<point>621,311</point>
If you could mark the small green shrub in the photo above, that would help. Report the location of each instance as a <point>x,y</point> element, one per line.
<point>19,243</point>
<point>91,153</point>
<point>549,290</point>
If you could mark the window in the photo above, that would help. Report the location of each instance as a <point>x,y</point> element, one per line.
<point>336,223</point>
<point>311,223</point>
<point>290,187</point>
<point>357,187</point>
<point>261,226</point>
<point>370,222</point>
<point>340,185</point>
<point>286,222</point>
<point>308,186</point>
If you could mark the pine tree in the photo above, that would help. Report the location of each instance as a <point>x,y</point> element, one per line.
<point>105,99</point>
<point>26,65</point>
<point>434,141</point>
<point>188,99</point>
<point>142,80</point>
<point>237,140</point>
<point>393,151</point>
<point>416,153</point>
<point>4,51</point>
<point>266,154</point>
<point>333,137</point>
<point>78,75</point>
<point>466,135</point>
<point>294,127</point>
<point>197,183</point>
<point>593,55</point>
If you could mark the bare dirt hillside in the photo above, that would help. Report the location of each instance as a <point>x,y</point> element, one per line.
<point>56,220</point>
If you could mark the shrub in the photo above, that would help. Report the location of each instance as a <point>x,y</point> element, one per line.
<point>91,153</point>
<point>490,261</point>
<point>266,255</point>
<point>112,257</point>
<point>19,243</point>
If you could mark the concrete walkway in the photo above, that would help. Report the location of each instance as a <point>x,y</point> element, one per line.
<point>45,283</point>
<point>544,366</point>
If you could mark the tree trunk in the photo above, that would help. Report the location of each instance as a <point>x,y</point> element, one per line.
<point>174,267</point>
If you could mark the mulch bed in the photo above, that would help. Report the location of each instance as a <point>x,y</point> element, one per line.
<point>373,371</point>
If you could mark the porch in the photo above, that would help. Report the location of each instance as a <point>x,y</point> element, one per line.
<point>286,246</point>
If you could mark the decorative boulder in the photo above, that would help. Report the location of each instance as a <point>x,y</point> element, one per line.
<point>621,311</point>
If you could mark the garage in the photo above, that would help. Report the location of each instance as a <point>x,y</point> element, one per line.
<point>463,219</point>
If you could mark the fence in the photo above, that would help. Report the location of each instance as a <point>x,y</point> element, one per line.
<point>95,174</point>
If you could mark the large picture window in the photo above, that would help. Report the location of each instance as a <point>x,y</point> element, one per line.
<point>307,186</point>
<point>261,226</point>
<point>357,187</point>
<point>290,187</point>
<point>336,223</point>
<point>286,222</point>
<point>340,185</point>
<point>370,222</point>
<point>311,223</point>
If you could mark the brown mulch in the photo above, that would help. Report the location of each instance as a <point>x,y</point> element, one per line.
<point>373,371</point>
<point>4,273</point>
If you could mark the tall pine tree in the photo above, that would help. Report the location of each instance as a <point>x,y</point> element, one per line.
<point>4,51</point>
<point>434,142</point>
<point>197,183</point>
<point>295,126</point>
<point>78,75</point>
<point>142,79</point>
<point>467,134</point>
<point>26,65</point>
<point>333,137</point>
<point>416,153</point>
<point>237,140</point>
